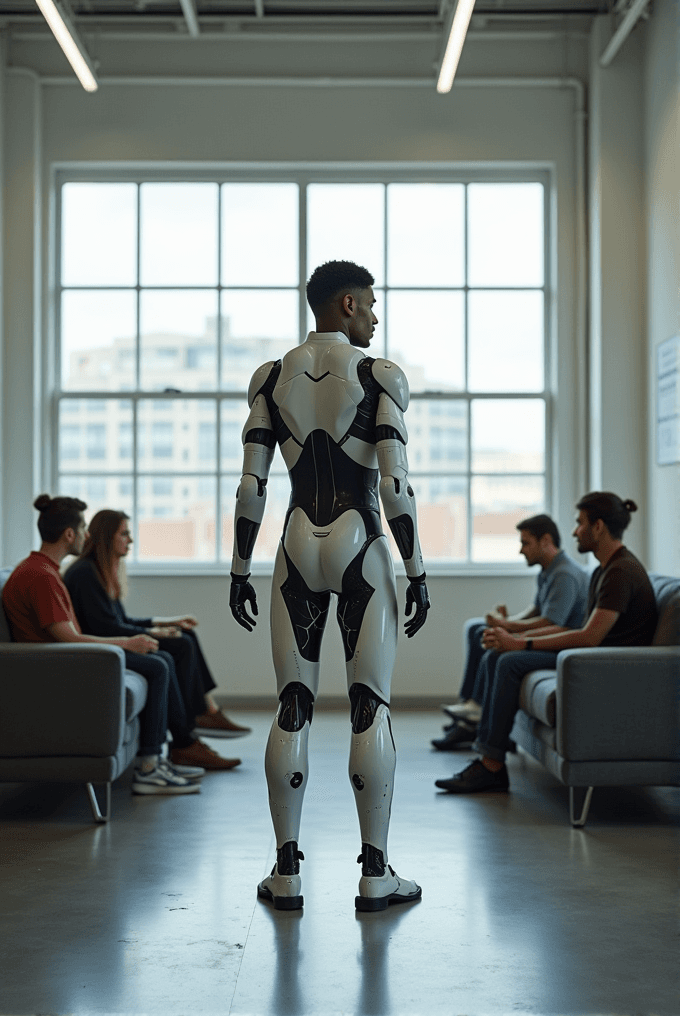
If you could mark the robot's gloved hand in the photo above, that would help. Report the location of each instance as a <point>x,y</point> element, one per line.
<point>242,592</point>
<point>416,594</point>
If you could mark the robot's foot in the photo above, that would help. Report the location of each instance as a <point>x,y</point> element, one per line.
<point>282,887</point>
<point>379,885</point>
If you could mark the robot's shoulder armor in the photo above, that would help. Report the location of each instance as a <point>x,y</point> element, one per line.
<point>392,380</point>
<point>260,378</point>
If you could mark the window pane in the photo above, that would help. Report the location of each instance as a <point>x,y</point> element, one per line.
<point>278,497</point>
<point>177,435</point>
<point>176,519</point>
<point>505,231</point>
<point>98,492</point>
<point>98,331</point>
<point>425,234</point>
<point>98,234</point>
<point>508,436</point>
<point>425,336</point>
<point>91,437</point>
<point>260,234</point>
<point>178,234</point>
<point>499,503</point>
<point>178,340</point>
<point>506,342</point>
<point>256,327</point>
<point>442,516</point>
<point>437,435</point>
<point>345,222</point>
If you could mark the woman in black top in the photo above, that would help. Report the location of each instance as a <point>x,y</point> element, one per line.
<point>96,582</point>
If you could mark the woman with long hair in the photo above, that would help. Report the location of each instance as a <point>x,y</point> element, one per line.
<point>97,584</point>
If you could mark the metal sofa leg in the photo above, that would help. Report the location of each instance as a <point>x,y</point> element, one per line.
<point>94,804</point>
<point>581,820</point>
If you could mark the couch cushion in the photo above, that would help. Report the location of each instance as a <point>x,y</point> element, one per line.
<point>537,695</point>
<point>5,634</point>
<point>667,593</point>
<point>135,694</point>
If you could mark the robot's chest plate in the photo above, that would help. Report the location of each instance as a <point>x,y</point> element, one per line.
<point>319,390</point>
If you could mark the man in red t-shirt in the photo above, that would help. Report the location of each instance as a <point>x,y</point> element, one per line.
<point>39,609</point>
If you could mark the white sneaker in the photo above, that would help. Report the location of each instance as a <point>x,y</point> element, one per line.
<point>378,892</point>
<point>469,710</point>
<point>162,781</point>
<point>188,772</point>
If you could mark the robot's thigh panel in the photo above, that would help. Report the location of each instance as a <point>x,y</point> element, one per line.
<point>368,620</point>
<point>298,617</point>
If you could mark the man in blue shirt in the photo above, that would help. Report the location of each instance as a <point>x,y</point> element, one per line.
<point>560,600</point>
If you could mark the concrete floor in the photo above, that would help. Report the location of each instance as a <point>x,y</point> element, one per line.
<point>156,912</point>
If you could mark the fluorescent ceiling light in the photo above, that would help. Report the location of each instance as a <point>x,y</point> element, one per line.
<point>454,46</point>
<point>65,33</point>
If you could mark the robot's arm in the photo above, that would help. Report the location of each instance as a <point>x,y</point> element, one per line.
<point>251,497</point>
<point>398,500</point>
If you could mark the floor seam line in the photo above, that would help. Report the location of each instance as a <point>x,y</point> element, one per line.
<point>245,943</point>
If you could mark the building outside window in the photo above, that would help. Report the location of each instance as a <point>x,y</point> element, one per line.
<point>174,292</point>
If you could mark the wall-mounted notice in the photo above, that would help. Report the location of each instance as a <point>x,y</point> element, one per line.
<point>668,401</point>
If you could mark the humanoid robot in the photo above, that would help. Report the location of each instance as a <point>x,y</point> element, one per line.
<point>337,415</point>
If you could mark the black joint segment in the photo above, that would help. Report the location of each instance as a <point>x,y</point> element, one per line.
<point>297,707</point>
<point>372,861</point>
<point>239,580</point>
<point>404,535</point>
<point>262,436</point>
<point>385,433</point>
<point>261,484</point>
<point>246,534</point>
<point>364,703</point>
<point>288,858</point>
<point>419,578</point>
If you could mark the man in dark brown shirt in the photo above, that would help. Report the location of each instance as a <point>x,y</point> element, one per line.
<point>621,611</point>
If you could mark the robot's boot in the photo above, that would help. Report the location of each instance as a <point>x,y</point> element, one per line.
<point>379,885</point>
<point>282,887</point>
<point>371,770</point>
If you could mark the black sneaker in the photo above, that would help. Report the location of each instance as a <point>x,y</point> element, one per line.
<point>459,735</point>
<point>474,778</point>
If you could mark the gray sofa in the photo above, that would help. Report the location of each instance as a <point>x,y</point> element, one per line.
<point>609,717</point>
<point>68,713</point>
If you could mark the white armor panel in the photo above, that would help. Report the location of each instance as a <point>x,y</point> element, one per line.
<point>392,379</point>
<point>372,761</point>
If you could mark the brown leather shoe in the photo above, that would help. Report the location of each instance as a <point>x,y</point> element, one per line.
<point>199,754</point>
<point>218,725</point>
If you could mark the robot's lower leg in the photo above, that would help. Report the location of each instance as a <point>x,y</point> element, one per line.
<point>286,761</point>
<point>372,762</point>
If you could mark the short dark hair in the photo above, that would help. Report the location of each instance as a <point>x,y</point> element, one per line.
<point>609,507</point>
<point>333,277</point>
<point>539,525</point>
<point>57,514</point>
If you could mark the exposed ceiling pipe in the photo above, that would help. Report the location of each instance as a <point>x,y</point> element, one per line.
<point>630,19</point>
<point>190,16</point>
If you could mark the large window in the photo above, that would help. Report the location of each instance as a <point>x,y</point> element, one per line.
<point>171,293</point>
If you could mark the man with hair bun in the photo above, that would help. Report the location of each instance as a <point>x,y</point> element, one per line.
<point>621,611</point>
<point>39,609</point>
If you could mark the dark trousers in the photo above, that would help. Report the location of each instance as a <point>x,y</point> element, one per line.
<point>501,674</point>
<point>473,655</point>
<point>164,709</point>
<point>193,676</point>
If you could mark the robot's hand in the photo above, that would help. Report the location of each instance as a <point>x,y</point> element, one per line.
<point>416,594</point>
<point>241,593</point>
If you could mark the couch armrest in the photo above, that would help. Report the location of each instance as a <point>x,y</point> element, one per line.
<point>61,699</point>
<point>619,703</point>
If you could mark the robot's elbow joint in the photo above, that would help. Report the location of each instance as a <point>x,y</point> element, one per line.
<point>390,490</point>
<point>248,491</point>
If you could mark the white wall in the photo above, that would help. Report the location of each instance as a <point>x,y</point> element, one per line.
<point>213,124</point>
<point>662,211</point>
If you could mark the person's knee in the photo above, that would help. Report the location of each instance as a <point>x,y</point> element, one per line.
<point>297,706</point>
<point>157,672</point>
<point>364,703</point>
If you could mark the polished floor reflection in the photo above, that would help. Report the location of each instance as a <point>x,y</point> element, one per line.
<point>156,912</point>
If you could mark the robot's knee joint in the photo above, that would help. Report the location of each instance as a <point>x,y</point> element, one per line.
<point>364,704</point>
<point>297,706</point>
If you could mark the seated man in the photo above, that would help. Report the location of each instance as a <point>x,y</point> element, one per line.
<point>560,600</point>
<point>621,611</point>
<point>39,609</point>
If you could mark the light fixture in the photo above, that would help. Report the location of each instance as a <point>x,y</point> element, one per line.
<point>454,46</point>
<point>65,33</point>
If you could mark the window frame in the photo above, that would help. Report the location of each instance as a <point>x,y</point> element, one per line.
<point>303,175</point>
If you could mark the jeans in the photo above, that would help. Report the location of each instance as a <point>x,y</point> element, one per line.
<point>502,676</point>
<point>474,652</point>
<point>193,677</point>
<point>164,709</point>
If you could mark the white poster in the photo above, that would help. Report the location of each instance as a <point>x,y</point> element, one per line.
<point>668,401</point>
